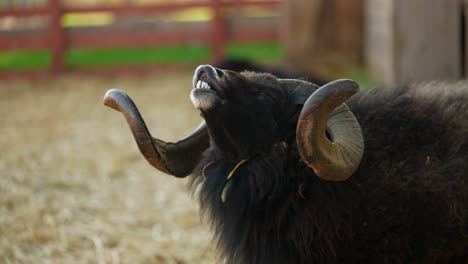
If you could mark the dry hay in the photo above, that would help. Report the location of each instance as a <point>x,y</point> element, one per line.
<point>73,186</point>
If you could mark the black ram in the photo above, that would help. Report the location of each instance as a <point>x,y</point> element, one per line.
<point>289,173</point>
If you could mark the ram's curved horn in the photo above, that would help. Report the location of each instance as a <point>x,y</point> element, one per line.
<point>178,159</point>
<point>338,158</point>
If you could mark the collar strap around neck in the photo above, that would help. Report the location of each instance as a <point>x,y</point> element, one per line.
<point>228,184</point>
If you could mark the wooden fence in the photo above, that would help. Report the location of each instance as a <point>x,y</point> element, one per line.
<point>57,39</point>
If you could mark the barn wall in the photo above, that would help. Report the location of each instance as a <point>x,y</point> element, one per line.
<point>465,35</point>
<point>428,40</point>
<point>379,39</point>
<point>411,40</point>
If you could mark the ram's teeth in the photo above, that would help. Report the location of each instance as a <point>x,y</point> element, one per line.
<point>199,84</point>
<point>206,85</point>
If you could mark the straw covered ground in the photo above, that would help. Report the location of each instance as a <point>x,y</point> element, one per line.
<point>73,185</point>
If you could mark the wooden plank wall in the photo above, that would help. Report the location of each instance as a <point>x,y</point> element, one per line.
<point>427,40</point>
<point>465,35</point>
<point>379,39</point>
<point>411,40</point>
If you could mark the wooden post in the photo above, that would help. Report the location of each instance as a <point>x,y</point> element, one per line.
<point>217,31</point>
<point>56,37</point>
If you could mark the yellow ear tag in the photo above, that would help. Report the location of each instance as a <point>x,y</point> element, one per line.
<point>228,184</point>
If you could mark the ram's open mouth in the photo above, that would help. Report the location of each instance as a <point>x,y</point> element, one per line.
<point>203,82</point>
<point>205,77</point>
<point>206,92</point>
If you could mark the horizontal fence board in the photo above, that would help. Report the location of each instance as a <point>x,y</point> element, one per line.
<point>25,74</point>
<point>129,8</point>
<point>253,36</point>
<point>25,12</point>
<point>125,69</point>
<point>135,9</point>
<point>24,42</point>
<point>99,71</point>
<point>58,39</point>
<point>126,39</point>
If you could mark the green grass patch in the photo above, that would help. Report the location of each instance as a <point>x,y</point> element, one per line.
<point>77,58</point>
<point>360,76</point>
<point>184,55</point>
<point>136,56</point>
<point>24,60</point>
<point>268,52</point>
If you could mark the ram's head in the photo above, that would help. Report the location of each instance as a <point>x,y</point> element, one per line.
<point>247,113</point>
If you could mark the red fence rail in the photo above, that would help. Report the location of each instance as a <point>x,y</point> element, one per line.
<point>58,40</point>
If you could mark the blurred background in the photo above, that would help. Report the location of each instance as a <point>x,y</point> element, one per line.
<point>73,186</point>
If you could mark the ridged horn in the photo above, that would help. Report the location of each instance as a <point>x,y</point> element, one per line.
<point>177,159</point>
<point>338,159</point>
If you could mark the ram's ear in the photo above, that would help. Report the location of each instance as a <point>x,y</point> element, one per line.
<point>298,90</point>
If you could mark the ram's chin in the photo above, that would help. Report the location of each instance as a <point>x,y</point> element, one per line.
<point>204,99</point>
